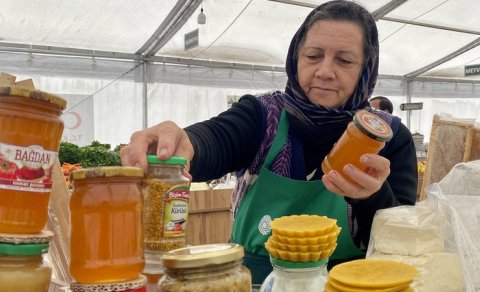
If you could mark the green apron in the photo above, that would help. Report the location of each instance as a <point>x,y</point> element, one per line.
<point>272,196</point>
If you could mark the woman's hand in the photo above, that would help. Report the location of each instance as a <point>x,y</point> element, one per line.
<point>367,183</point>
<point>165,140</point>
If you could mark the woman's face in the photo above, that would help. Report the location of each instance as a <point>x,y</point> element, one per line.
<point>330,61</point>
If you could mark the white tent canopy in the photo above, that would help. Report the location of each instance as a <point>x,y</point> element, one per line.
<point>125,63</point>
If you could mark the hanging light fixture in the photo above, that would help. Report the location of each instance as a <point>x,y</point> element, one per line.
<point>202,18</point>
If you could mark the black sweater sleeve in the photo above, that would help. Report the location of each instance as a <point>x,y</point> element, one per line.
<point>227,142</point>
<point>400,187</point>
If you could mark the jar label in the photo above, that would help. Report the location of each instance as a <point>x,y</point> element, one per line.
<point>26,168</point>
<point>176,211</point>
<point>375,124</point>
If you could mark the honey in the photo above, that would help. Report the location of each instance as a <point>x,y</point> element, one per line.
<point>31,131</point>
<point>367,133</point>
<point>106,225</point>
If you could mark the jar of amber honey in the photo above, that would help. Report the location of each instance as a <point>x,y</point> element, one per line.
<point>31,130</point>
<point>106,243</point>
<point>367,133</point>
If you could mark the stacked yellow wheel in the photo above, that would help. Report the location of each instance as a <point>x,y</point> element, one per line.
<point>303,238</point>
<point>371,275</point>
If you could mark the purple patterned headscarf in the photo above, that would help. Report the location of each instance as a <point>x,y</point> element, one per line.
<point>297,103</point>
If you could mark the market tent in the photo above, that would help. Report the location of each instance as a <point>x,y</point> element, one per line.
<point>123,65</point>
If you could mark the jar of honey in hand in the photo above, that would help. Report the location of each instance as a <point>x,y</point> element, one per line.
<point>367,133</point>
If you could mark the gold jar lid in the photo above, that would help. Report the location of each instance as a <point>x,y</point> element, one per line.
<point>202,255</point>
<point>138,283</point>
<point>106,171</point>
<point>373,126</point>
<point>42,237</point>
<point>33,94</point>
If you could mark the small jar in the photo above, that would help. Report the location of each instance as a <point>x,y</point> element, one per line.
<point>31,131</point>
<point>367,133</point>
<point>211,267</point>
<point>296,276</point>
<point>23,268</point>
<point>106,241</point>
<point>166,195</point>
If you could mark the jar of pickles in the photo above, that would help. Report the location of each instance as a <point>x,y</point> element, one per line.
<point>367,133</point>
<point>211,267</point>
<point>166,195</point>
<point>31,131</point>
<point>106,240</point>
<point>22,266</point>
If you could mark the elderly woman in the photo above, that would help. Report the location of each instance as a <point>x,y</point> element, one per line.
<point>277,141</point>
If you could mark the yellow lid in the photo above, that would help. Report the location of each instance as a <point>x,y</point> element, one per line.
<point>202,255</point>
<point>106,171</point>
<point>33,94</point>
<point>373,126</point>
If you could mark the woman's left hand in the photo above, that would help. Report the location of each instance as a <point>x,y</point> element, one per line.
<point>367,183</point>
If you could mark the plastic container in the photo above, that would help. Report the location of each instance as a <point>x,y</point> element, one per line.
<point>166,195</point>
<point>211,267</point>
<point>31,131</point>
<point>367,133</point>
<point>296,276</point>
<point>22,267</point>
<point>106,243</point>
<point>136,285</point>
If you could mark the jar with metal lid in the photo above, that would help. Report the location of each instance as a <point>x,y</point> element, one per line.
<point>106,242</point>
<point>211,267</point>
<point>367,133</point>
<point>166,195</point>
<point>290,276</point>
<point>22,265</point>
<point>31,131</point>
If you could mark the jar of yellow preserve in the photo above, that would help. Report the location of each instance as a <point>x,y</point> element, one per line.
<point>22,264</point>
<point>31,130</point>
<point>166,193</point>
<point>106,243</point>
<point>367,133</point>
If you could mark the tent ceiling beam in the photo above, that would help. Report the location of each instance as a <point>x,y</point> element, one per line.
<point>447,28</point>
<point>296,3</point>
<point>177,17</point>
<point>387,8</point>
<point>440,61</point>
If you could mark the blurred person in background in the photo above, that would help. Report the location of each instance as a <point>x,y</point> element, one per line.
<point>381,103</point>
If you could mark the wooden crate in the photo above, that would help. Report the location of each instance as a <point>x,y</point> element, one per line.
<point>209,219</point>
<point>452,141</point>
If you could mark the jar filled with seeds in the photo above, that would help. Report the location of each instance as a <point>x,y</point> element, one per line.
<point>166,195</point>
<point>210,267</point>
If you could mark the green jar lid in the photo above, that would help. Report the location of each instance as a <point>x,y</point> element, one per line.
<point>23,249</point>
<point>174,160</point>
<point>297,265</point>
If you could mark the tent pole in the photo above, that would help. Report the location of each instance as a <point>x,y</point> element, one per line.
<point>144,95</point>
<point>409,99</point>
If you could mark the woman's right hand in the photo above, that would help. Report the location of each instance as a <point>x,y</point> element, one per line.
<point>165,140</point>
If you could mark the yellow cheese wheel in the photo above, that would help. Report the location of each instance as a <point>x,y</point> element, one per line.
<point>300,226</point>
<point>345,288</point>
<point>373,273</point>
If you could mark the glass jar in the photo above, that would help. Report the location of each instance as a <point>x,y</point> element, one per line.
<point>106,241</point>
<point>296,276</point>
<point>166,194</point>
<point>367,133</point>
<point>211,267</point>
<point>31,131</point>
<point>22,267</point>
